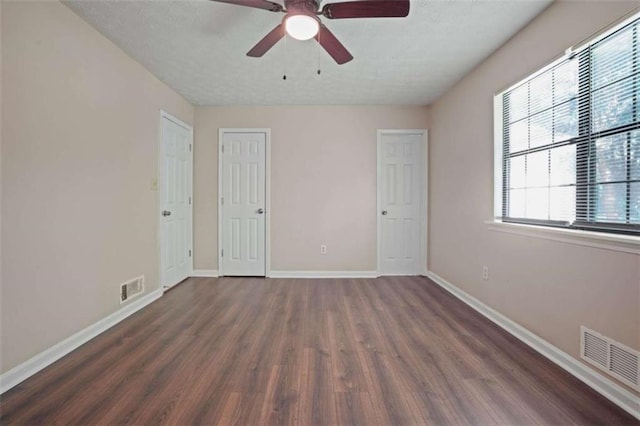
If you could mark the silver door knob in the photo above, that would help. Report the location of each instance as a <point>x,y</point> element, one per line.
<point>384,212</point>
<point>260,211</point>
<point>166,213</point>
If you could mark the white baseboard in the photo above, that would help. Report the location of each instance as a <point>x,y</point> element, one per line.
<point>607,388</point>
<point>323,274</point>
<point>205,273</point>
<point>47,357</point>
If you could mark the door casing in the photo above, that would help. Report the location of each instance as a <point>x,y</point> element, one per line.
<point>160,184</point>
<point>424,195</point>
<point>267,196</point>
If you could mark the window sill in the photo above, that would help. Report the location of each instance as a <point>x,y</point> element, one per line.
<point>615,242</point>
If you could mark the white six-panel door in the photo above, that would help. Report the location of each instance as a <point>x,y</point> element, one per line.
<point>175,202</point>
<point>243,203</point>
<point>400,192</point>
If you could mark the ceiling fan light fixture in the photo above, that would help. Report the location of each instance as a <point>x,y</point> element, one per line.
<point>302,27</point>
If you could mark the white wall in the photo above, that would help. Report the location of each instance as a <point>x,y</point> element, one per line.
<point>80,124</point>
<point>323,181</point>
<point>549,287</point>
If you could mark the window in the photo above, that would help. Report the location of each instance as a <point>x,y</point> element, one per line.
<point>569,139</point>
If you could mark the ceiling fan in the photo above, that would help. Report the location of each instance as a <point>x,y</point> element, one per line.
<point>301,21</point>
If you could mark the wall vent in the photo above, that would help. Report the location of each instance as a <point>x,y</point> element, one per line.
<point>618,360</point>
<point>131,288</point>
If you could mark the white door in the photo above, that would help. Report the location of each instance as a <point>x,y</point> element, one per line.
<point>243,203</point>
<point>175,202</point>
<point>400,192</point>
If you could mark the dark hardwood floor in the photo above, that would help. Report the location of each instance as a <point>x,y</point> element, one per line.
<point>388,351</point>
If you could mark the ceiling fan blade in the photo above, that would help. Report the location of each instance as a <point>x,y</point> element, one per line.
<point>258,4</point>
<point>333,46</point>
<point>267,42</point>
<point>367,9</point>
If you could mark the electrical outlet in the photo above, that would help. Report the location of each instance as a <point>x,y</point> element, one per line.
<point>485,273</point>
<point>323,249</point>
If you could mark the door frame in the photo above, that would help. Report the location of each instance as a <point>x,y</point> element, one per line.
<point>267,194</point>
<point>424,195</point>
<point>160,184</point>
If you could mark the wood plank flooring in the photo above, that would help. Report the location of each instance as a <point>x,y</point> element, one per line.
<point>386,351</point>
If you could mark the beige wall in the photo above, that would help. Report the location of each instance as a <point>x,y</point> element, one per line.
<point>549,287</point>
<point>0,175</point>
<point>80,126</point>
<point>79,135</point>
<point>323,181</point>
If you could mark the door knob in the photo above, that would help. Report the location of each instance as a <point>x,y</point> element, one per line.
<point>260,211</point>
<point>384,212</point>
<point>166,213</point>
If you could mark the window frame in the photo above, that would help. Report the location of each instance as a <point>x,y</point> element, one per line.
<point>584,140</point>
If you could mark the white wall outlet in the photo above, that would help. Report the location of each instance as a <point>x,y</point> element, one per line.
<point>323,249</point>
<point>485,273</point>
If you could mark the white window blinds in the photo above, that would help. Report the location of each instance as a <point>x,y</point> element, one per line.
<point>571,140</point>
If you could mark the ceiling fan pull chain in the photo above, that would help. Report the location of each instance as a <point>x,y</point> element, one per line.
<point>318,48</point>
<point>284,77</point>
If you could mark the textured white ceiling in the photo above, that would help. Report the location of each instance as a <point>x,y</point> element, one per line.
<point>198,47</point>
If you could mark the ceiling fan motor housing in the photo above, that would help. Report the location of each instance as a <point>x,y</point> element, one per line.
<point>302,7</point>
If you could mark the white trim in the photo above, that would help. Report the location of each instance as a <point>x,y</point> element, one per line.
<point>323,274</point>
<point>610,390</point>
<point>175,119</point>
<point>160,179</point>
<point>424,194</point>
<point>267,200</point>
<point>267,194</point>
<point>205,273</point>
<point>497,155</point>
<point>47,357</point>
<point>220,190</point>
<point>601,240</point>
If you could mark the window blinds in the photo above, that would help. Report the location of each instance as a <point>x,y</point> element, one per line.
<point>571,140</point>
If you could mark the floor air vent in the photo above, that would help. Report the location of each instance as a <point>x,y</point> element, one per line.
<point>618,360</point>
<point>131,288</point>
